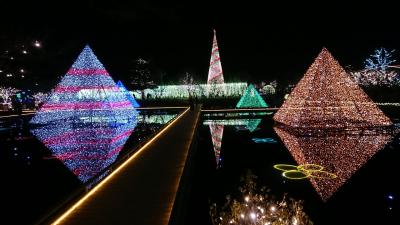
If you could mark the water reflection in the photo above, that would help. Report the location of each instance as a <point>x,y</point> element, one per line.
<point>155,118</point>
<point>339,152</point>
<point>85,149</point>
<point>241,124</point>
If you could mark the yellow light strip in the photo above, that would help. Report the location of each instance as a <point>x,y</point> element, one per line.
<point>236,110</point>
<point>108,178</point>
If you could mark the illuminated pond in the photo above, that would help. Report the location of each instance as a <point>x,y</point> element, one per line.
<point>46,166</point>
<point>345,174</point>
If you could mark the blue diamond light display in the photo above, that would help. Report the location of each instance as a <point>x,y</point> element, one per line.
<point>251,99</point>
<point>128,95</point>
<point>87,93</point>
<point>85,149</point>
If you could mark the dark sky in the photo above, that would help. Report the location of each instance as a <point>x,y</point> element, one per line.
<point>257,41</point>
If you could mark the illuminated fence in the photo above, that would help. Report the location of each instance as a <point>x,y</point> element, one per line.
<point>200,90</point>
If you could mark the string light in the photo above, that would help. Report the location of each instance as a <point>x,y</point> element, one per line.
<point>326,97</point>
<point>304,171</point>
<point>87,149</point>
<point>128,95</point>
<point>251,99</point>
<point>87,93</point>
<point>264,140</point>
<point>156,119</point>
<point>37,44</point>
<point>201,90</point>
<point>215,75</point>
<point>341,153</point>
<point>249,124</point>
<point>217,132</point>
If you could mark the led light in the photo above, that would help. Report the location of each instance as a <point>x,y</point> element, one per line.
<point>326,97</point>
<point>251,99</point>
<point>86,149</point>
<point>295,174</point>
<point>215,75</point>
<point>200,90</point>
<point>128,95</point>
<point>37,44</point>
<point>217,132</point>
<point>285,167</point>
<point>264,140</point>
<point>114,173</point>
<point>310,167</point>
<point>87,93</point>
<point>339,152</point>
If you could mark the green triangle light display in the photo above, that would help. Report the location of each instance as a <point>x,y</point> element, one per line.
<point>251,99</point>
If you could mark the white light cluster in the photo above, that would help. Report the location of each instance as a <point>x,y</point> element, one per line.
<point>156,119</point>
<point>258,207</point>
<point>200,90</point>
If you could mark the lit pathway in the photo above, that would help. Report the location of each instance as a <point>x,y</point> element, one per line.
<point>143,191</point>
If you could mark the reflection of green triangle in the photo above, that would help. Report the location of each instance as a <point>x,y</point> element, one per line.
<point>251,99</point>
<point>252,124</point>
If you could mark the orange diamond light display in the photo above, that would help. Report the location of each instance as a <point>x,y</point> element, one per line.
<point>326,97</point>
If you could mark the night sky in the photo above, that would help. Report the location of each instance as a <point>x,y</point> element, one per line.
<point>256,41</point>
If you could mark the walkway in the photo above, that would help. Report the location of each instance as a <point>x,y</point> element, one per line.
<point>142,191</point>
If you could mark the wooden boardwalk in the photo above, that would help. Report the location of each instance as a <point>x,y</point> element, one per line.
<point>142,191</point>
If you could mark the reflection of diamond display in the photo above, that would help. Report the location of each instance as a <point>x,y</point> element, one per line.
<point>342,152</point>
<point>304,171</point>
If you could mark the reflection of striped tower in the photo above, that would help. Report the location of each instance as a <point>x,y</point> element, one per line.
<point>217,132</point>
<point>86,93</point>
<point>215,75</point>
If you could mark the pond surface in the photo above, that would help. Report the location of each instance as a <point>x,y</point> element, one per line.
<point>343,176</point>
<point>45,166</point>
